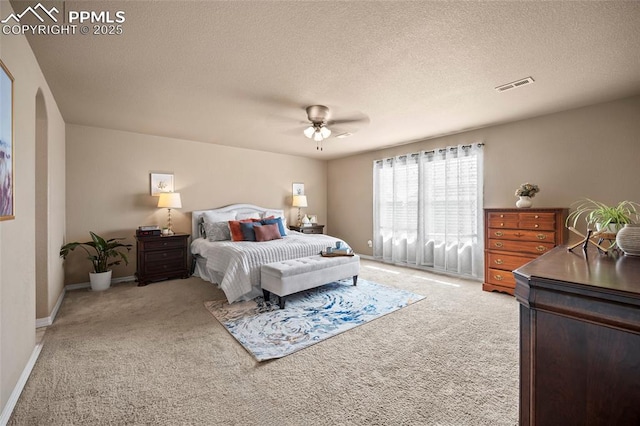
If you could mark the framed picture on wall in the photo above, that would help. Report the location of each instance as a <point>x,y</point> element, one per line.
<point>298,188</point>
<point>161,182</point>
<point>7,195</point>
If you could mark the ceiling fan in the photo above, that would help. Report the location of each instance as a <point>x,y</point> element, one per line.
<point>319,117</point>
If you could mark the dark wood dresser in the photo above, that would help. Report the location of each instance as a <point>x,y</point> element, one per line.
<point>513,237</point>
<point>162,258</point>
<point>579,339</point>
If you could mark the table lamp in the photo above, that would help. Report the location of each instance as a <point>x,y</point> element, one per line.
<point>299,201</point>
<point>170,200</point>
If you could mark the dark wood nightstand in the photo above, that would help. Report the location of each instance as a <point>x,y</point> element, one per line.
<point>162,258</point>
<point>310,229</point>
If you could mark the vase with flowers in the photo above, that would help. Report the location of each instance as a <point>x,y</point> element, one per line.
<point>525,193</point>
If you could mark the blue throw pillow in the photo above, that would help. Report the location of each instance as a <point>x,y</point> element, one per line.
<point>277,220</point>
<point>247,230</point>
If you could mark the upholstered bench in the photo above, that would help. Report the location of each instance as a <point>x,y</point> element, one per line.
<point>291,276</point>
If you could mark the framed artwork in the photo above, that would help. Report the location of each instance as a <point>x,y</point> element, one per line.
<point>161,182</point>
<point>6,145</point>
<point>298,189</point>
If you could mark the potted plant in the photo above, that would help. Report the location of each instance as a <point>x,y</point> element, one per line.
<point>525,193</point>
<point>100,252</point>
<point>604,217</point>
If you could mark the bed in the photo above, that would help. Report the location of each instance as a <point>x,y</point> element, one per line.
<point>235,265</point>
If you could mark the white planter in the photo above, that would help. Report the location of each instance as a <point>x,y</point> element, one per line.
<point>100,281</point>
<point>524,202</point>
<point>611,228</point>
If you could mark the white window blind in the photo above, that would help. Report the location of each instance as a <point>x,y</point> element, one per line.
<point>428,209</point>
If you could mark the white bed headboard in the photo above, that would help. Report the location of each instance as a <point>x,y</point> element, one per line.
<point>239,208</point>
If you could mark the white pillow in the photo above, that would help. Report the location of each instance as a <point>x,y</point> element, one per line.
<point>243,216</point>
<point>274,213</point>
<point>215,217</point>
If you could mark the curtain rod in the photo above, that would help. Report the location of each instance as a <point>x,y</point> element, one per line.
<point>453,148</point>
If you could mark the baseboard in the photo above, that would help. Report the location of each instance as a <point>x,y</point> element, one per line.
<point>17,390</point>
<point>88,284</point>
<point>366,256</point>
<point>45,322</point>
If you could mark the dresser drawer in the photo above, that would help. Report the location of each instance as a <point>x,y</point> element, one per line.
<point>165,255</point>
<point>163,243</point>
<point>520,235</point>
<point>312,231</point>
<point>540,216</point>
<point>511,222</point>
<point>501,278</point>
<point>506,262</point>
<point>497,216</point>
<point>532,247</point>
<point>161,266</point>
<point>538,224</point>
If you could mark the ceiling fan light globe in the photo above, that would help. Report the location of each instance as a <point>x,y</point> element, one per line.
<point>317,136</point>
<point>309,131</point>
<point>325,132</point>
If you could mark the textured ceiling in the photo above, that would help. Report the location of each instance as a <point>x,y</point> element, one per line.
<point>241,73</point>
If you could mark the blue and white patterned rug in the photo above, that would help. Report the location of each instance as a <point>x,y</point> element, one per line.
<point>268,332</point>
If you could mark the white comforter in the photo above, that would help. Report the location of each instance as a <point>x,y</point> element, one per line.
<point>239,262</point>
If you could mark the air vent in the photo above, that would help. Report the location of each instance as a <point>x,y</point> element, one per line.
<point>515,84</point>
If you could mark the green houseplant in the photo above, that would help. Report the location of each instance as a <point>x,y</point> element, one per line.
<point>101,253</point>
<point>603,216</point>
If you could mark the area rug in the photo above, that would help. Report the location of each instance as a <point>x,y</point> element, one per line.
<point>309,317</point>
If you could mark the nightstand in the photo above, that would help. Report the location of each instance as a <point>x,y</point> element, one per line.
<point>162,258</point>
<point>310,229</point>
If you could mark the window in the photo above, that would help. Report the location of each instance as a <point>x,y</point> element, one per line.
<point>428,209</point>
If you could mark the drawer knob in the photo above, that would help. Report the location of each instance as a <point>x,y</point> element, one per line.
<point>501,215</point>
<point>518,234</point>
<point>499,261</point>
<point>498,234</point>
<point>542,237</point>
<point>536,216</point>
<point>499,244</point>
<point>498,277</point>
<point>541,248</point>
<point>501,224</point>
<point>164,244</point>
<point>164,254</point>
<point>536,226</point>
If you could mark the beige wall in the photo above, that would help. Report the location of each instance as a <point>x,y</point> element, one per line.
<point>588,152</point>
<point>18,236</point>
<point>108,184</point>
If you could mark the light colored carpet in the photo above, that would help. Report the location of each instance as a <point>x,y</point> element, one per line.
<point>309,317</point>
<point>153,355</point>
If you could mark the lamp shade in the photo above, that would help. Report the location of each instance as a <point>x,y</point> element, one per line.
<point>170,200</point>
<point>308,132</point>
<point>299,201</point>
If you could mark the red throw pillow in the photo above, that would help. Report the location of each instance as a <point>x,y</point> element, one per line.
<point>236,231</point>
<point>267,232</point>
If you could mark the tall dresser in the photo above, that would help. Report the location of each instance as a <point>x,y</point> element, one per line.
<point>513,237</point>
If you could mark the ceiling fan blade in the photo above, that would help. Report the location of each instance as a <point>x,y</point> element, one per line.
<point>288,119</point>
<point>358,118</point>
<point>293,132</point>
